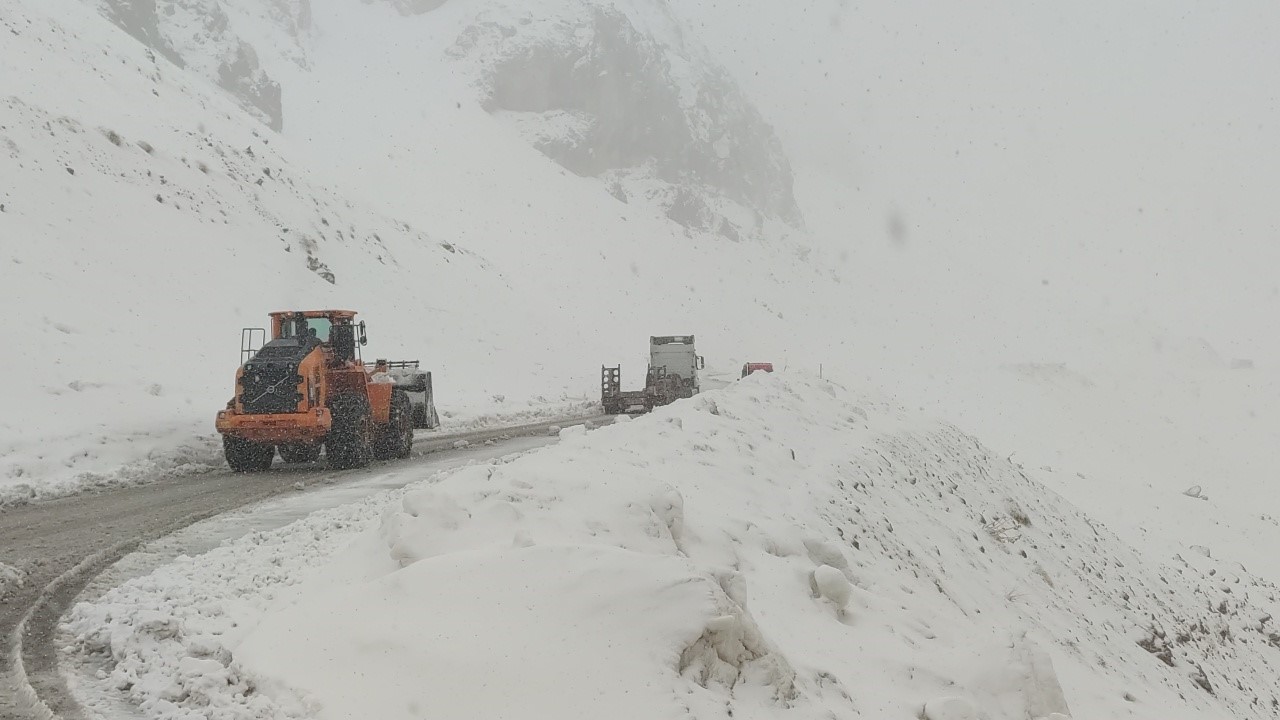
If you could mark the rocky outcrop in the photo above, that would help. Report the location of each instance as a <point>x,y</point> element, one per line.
<point>199,35</point>
<point>655,119</point>
<point>241,76</point>
<point>140,19</point>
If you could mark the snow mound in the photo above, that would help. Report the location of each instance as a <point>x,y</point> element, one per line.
<point>690,561</point>
<point>160,631</point>
<point>506,633</point>
<point>831,584</point>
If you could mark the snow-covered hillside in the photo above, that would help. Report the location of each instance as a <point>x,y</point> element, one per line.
<point>147,216</point>
<point>610,90</point>
<point>783,545</point>
<point>198,35</point>
<point>1178,458</point>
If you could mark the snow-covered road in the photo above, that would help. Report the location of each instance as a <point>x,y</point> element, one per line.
<point>52,551</point>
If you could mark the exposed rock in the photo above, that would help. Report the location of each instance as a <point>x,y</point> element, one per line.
<point>244,79</point>
<point>652,118</point>
<point>198,35</point>
<point>140,19</point>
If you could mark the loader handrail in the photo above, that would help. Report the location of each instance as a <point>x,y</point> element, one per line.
<point>247,348</point>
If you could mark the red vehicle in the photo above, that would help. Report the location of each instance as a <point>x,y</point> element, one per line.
<point>753,367</point>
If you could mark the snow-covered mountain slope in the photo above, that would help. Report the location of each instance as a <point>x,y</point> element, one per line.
<point>615,90</point>
<point>146,217</point>
<point>198,35</point>
<point>781,546</point>
<point>610,90</point>
<point>139,234</point>
<point>1178,458</point>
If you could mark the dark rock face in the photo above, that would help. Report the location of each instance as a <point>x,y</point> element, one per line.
<point>139,19</point>
<point>243,78</point>
<point>197,35</point>
<point>605,99</point>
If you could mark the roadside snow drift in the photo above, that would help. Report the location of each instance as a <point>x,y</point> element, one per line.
<point>781,544</point>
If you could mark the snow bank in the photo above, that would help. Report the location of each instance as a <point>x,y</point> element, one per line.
<point>161,631</point>
<point>499,412</point>
<point>491,633</point>
<point>780,543</point>
<point>117,460</point>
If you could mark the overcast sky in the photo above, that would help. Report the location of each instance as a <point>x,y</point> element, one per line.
<point>1113,159</point>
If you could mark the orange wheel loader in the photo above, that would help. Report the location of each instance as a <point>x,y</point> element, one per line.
<point>307,389</point>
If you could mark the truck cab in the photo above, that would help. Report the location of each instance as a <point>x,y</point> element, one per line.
<point>674,356</point>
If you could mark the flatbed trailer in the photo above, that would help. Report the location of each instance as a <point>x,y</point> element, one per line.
<point>617,401</point>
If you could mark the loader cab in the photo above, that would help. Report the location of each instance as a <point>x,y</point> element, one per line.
<point>304,328</point>
<point>335,331</point>
<point>299,324</point>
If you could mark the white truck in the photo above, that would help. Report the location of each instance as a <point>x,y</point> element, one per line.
<point>673,374</point>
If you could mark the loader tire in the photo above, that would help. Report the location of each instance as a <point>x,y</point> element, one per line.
<point>244,456</point>
<point>396,439</point>
<point>300,452</point>
<point>350,440</point>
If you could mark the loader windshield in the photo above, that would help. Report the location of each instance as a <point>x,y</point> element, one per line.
<point>302,327</point>
<point>321,326</point>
